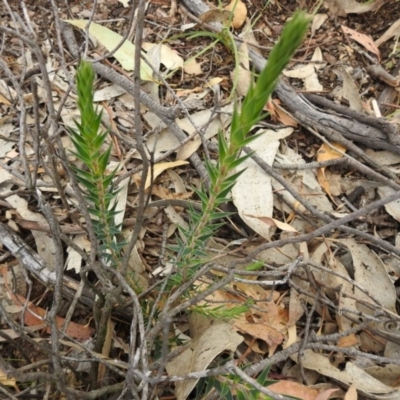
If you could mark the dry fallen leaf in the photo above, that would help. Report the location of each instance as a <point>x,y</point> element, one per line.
<point>308,72</point>
<point>289,388</point>
<point>192,67</point>
<point>393,31</point>
<point>168,57</point>
<point>304,181</point>
<point>327,153</point>
<point>393,208</point>
<point>349,90</point>
<point>239,13</point>
<point>364,40</point>
<point>4,380</point>
<point>275,223</point>
<point>326,394</point>
<point>160,168</point>
<point>242,72</point>
<point>317,22</point>
<point>350,374</point>
<point>246,195</point>
<point>351,393</point>
<point>203,350</point>
<point>4,100</point>
<point>344,7</point>
<point>35,315</point>
<point>278,113</point>
<point>215,15</point>
<point>110,40</point>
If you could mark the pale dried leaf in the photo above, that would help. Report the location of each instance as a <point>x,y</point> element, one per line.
<point>292,333</point>
<point>74,259</point>
<point>168,57</point>
<point>312,84</point>
<point>192,67</point>
<point>393,208</point>
<point>352,374</point>
<point>213,341</point>
<point>317,22</point>
<point>110,40</point>
<point>8,92</point>
<point>201,119</point>
<point>325,153</point>
<point>267,332</point>
<point>280,114</point>
<point>239,13</point>
<point>298,390</point>
<point>215,15</point>
<point>121,198</point>
<point>159,168</point>
<point>107,93</point>
<point>4,100</point>
<point>304,71</point>
<point>304,181</point>
<point>281,256</point>
<point>322,255</point>
<point>153,58</point>
<point>136,267</point>
<point>6,145</point>
<point>242,73</point>
<point>4,380</point>
<point>388,374</point>
<point>308,72</point>
<point>364,40</point>
<point>166,140</point>
<point>384,157</point>
<point>45,247</point>
<point>349,91</point>
<point>275,223</point>
<point>246,194</point>
<point>371,274</point>
<point>179,186</point>
<point>351,393</point>
<point>393,31</point>
<point>125,3</point>
<point>175,217</point>
<point>344,7</point>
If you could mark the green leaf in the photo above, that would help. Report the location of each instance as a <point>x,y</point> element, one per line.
<point>263,375</point>
<point>255,266</point>
<point>99,140</point>
<point>291,37</point>
<point>223,193</point>
<point>240,395</point>
<point>238,161</point>
<point>220,215</point>
<point>82,154</point>
<point>104,159</point>
<point>233,178</point>
<point>89,185</point>
<point>203,197</point>
<point>212,171</point>
<point>237,134</point>
<point>222,146</point>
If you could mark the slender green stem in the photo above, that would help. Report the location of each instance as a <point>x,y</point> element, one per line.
<point>89,143</point>
<point>224,176</point>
